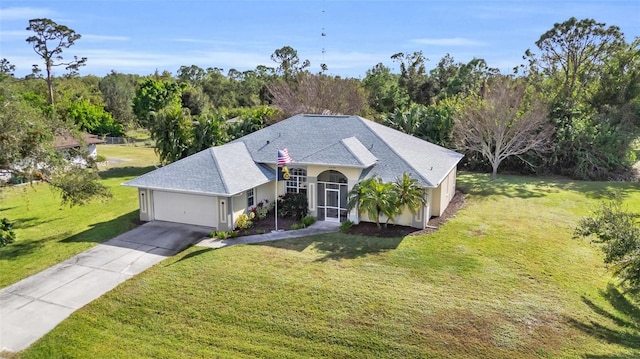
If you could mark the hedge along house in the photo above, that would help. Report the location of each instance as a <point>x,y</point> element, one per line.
<point>331,154</point>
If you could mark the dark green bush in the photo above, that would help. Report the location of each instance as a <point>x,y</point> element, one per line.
<point>7,235</point>
<point>293,205</point>
<point>307,221</point>
<point>346,225</point>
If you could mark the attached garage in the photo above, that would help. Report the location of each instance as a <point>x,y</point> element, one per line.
<point>185,208</point>
<point>210,188</point>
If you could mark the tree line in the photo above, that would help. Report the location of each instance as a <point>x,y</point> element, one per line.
<point>572,108</point>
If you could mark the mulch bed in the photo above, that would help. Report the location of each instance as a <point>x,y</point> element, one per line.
<point>366,228</point>
<point>268,224</point>
<point>371,229</point>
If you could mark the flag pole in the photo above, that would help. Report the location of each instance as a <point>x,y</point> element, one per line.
<point>276,210</point>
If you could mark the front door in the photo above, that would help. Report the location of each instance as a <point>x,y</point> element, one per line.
<point>332,205</point>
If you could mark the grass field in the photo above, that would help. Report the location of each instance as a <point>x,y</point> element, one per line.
<point>503,279</point>
<point>49,232</point>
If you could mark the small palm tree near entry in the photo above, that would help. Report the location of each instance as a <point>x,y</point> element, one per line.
<point>375,197</point>
<point>409,193</point>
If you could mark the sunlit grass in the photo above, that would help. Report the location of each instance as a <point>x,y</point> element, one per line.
<point>503,279</point>
<point>49,232</point>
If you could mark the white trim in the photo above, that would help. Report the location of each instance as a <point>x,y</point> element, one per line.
<point>143,201</point>
<point>252,196</point>
<point>326,207</point>
<point>223,210</point>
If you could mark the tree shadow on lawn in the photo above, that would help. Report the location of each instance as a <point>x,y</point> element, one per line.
<point>103,231</point>
<point>191,255</point>
<point>602,190</point>
<point>23,223</point>
<point>505,185</point>
<point>338,246</point>
<point>21,248</point>
<point>626,318</point>
<point>116,172</point>
<point>517,186</point>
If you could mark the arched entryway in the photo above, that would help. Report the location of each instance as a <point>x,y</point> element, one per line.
<point>332,196</point>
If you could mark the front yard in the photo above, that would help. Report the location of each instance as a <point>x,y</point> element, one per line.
<point>49,233</point>
<point>503,279</point>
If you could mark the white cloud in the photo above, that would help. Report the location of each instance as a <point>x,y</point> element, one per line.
<point>452,41</point>
<point>15,34</point>
<point>101,61</point>
<point>194,41</point>
<point>24,13</point>
<point>96,38</point>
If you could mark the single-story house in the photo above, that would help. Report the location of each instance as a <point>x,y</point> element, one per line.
<point>66,144</point>
<point>331,154</point>
<point>71,146</point>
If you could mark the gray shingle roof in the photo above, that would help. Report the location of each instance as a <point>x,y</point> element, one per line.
<point>222,170</point>
<point>347,141</point>
<point>318,139</point>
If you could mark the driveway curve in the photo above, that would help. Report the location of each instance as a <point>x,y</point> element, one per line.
<point>32,307</point>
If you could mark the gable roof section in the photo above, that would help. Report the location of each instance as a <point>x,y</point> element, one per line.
<point>67,140</point>
<point>346,152</point>
<point>360,152</point>
<point>431,161</point>
<point>223,170</point>
<point>352,141</point>
<point>237,169</point>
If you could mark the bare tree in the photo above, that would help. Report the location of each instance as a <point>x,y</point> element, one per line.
<point>502,122</point>
<point>318,94</point>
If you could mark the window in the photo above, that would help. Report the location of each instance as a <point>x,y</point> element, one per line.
<point>143,203</point>
<point>251,199</point>
<point>223,212</point>
<point>298,181</point>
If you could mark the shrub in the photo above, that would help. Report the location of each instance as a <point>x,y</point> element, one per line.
<point>296,226</point>
<point>234,234</point>
<point>617,230</point>
<point>261,212</point>
<point>244,220</point>
<point>7,235</point>
<point>260,231</point>
<point>221,234</point>
<point>293,205</point>
<point>346,225</point>
<point>307,221</point>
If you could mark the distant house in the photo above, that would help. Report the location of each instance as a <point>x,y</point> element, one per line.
<point>331,154</point>
<point>72,147</point>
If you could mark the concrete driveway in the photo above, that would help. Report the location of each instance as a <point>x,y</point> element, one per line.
<point>32,307</point>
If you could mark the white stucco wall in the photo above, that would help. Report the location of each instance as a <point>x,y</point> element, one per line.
<point>444,193</point>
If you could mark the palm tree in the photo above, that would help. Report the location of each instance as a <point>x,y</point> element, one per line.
<point>373,197</point>
<point>171,130</point>
<point>408,121</point>
<point>409,193</point>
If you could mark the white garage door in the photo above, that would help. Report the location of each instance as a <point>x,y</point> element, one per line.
<point>185,208</point>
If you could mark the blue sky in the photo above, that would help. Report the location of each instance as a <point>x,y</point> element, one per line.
<point>140,36</point>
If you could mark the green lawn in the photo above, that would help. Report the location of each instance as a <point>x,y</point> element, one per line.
<point>503,279</point>
<point>49,232</point>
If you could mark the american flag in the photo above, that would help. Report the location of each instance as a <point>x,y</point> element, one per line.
<point>283,157</point>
